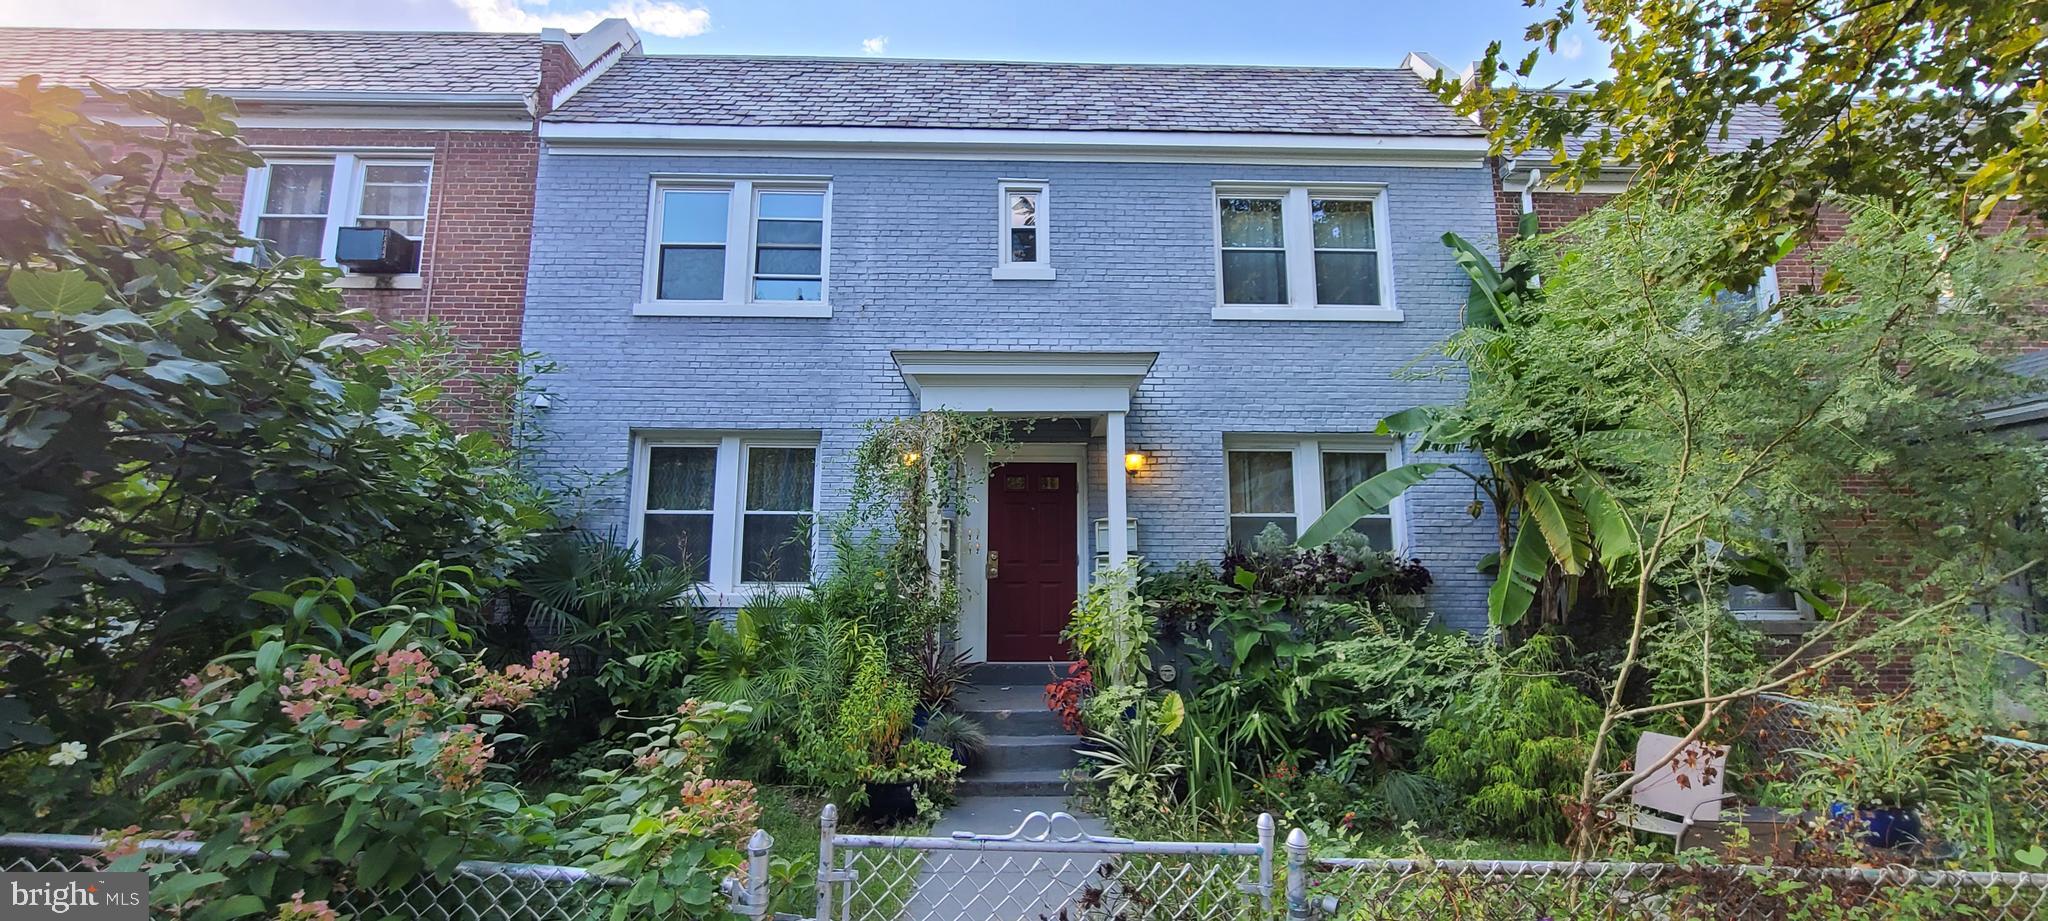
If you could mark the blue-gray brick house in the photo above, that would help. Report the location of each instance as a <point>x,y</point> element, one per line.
<point>1226,271</point>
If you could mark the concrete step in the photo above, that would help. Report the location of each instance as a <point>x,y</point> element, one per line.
<point>1004,721</point>
<point>1014,783</point>
<point>1029,752</point>
<point>1037,674</point>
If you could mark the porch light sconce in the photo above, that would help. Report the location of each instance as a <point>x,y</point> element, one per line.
<point>1135,461</point>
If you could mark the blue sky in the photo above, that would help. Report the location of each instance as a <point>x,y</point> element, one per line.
<point>1340,32</point>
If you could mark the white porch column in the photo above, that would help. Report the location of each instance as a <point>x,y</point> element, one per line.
<point>1119,538</point>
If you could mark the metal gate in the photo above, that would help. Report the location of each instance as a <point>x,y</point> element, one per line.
<point>1049,867</point>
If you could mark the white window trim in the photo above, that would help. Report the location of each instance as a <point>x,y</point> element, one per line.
<point>1006,269</point>
<point>344,201</point>
<point>740,226</point>
<point>1298,232</point>
<point>722,586</point>
<point>1307,452</point>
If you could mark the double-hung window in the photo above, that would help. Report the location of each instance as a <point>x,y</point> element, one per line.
<point>1302,253</point>
<point>738,247</point>
<point>1286,481</point>
<point>735,511</point>
<point>1024,241</point>
<point>294,205</point>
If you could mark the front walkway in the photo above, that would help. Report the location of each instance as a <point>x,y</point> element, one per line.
<point>979,886</point>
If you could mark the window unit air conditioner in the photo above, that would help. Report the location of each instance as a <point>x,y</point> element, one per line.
<point>375,251</point>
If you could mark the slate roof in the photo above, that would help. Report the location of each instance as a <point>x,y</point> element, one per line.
<point>1013,95</point>
<point>1749,122</point>
<point>227,61</point>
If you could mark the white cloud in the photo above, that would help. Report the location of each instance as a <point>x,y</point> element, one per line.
<point>877,45</point>
<point>1570,47</point>
<point>655,17</point>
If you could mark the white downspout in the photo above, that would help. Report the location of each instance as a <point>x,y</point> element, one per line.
<point>1528,190</point>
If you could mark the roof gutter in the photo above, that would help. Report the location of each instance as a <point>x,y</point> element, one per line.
<point>352,97</point>
<point>594,136</point>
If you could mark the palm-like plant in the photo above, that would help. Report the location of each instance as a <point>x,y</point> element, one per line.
<point>1569,521</point>
<point>636,616</point>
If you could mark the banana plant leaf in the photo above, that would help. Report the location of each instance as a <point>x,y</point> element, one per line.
<point>1562,522</point>
<point>1365,499</point>
<point>1514,589</point>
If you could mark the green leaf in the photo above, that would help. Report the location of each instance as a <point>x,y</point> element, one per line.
<point>268,656</point>
<point>181,370</point>
<point>65,292</point>
<point>12,339</point>
<point>238,906</point>
<point>378,861</point>
<point>119,316</point>
<point>1409,421</point>
<point>1365,499</point>
<point>307,767</point>
<point>1483,305</point>
<point>1615,535</point>
<point>1562,523</point>
<point>1515,588</point>
<point>1172,711</point>
<point>443,854</point>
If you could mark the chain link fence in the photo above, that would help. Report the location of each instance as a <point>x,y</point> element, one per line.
<point>1048,868</point>
<point>476,891</point>
<point>1991,803</point>
<point>1473,890</point>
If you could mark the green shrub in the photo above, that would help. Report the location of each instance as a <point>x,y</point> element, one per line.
<point>183,426</point>
<point>629,613</point>
<point>358,744</point>
<point>1514,749</point>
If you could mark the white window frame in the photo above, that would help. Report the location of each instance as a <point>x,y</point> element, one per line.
<point>1298,233</point>
<point>1307,452</point>
<point>741,222</point>
<point>362,179</point>
<point>344,200</point>
<point>1007,269</point>
<point>722,586</point>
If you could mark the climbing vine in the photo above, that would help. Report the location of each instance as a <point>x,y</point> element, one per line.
<point>911,470</point>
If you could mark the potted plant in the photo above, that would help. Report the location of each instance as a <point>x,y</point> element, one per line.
<point>1066,696</point>
<point>921,772</point>
<point>1870,764</point>
<point>1405,586</point>
<point>941,676</point>
<point>962,736</point>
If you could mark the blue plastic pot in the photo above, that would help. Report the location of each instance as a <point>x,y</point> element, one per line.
<point>1883,826</point>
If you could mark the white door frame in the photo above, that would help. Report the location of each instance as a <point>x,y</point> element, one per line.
<point>973,560</point>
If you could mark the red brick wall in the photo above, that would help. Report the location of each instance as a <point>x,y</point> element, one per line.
<point>479,230</point>
<point>1553,209</point>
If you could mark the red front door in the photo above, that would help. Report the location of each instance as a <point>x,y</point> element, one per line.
<point>1032,561</point>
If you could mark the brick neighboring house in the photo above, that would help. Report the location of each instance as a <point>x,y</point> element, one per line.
<point>1523,185</point>
<point>432,134</point>
<point>741,262</point>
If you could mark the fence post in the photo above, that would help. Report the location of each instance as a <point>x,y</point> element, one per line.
<point>1266,861</point>
<point>1297,876</point>
<point>828,825</point>
<point>758,848</point>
